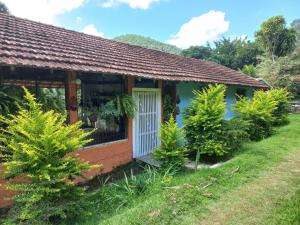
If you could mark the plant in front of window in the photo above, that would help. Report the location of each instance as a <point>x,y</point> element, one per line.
<point>172,151</point>
<point>125,105</point>
<point>203,122</point>
<point>117,107</point>
<point>35,146</point>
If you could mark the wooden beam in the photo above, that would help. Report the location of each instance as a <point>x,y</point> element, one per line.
<point>130,85</point>
<point>71,97</point>
<point>161,87</point>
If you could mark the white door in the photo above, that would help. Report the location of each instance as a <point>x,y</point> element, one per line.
<point>146,122</point>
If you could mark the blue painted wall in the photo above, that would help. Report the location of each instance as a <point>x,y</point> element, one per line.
<point>184,91</point>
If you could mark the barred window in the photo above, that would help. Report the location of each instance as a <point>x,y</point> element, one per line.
<point>97,108</point>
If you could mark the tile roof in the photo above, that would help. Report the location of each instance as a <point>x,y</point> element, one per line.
<point>27,43</point>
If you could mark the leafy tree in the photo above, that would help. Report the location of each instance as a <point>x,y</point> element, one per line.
<point>198,52</point>
<point>296,25</point>
<point>275,38</point>
<point>281,73</point>
<point>34,145</point>
<point>231,53</point>
<point>148,43</point>
<point>3,8</point>
<point>235,53</point>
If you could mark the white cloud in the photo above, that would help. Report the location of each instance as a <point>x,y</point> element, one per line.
<point>199,30</point>
<point>135,4</point>
<point>44,11</point>
<point>92,30</point>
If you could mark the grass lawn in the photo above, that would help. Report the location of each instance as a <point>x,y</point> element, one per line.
<point>261,185</point>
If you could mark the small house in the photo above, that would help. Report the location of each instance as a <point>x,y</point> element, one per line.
<point>93,70</point>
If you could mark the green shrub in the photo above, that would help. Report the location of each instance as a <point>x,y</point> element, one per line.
<point>259,112</point>
<point>203,121</point>
<point>281,97</point>
<point>34,145</point>
<point>171,151</point>
<point>235,133</point>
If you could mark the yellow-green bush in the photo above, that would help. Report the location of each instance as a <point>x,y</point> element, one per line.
<point>203,121</point>
<point>281,97</point>
<point>259,112</point>
<point>171,152</point>
<point>34,145</point>
<point>265,110</point>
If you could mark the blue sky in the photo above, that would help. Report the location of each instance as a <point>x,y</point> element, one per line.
<point>180,22</point>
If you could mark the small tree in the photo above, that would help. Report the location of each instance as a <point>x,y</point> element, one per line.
<point>203,121</point>
<point>34,145</point>
<point>171,152</point>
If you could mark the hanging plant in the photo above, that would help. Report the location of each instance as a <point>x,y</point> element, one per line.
<point>116,108</point>
<point>126,105</point>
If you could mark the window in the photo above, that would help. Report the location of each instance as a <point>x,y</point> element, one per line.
<point>241,92</point>
<point>98,109</point>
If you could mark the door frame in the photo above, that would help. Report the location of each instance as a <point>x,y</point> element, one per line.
<point>159,98</point>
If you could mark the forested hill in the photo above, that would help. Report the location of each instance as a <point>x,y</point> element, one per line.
<point>148,43</point>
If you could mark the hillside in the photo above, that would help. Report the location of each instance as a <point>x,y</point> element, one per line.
<point>148,43</point>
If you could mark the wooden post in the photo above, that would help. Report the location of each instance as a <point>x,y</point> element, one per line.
<point>130,85</point>
<point>161,87</point>
<point>174,98</point>
<point>71,97</point>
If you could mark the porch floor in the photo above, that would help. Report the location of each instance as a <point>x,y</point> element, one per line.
<point>149,159</point>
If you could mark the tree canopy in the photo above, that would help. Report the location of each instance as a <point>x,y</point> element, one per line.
<point>296,25</point>
<point>275,38</point>
<point>234,53</point>
<point>198,52</point>
<point>3,8</point>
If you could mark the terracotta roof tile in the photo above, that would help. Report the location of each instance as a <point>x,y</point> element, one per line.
<point>27,43</point>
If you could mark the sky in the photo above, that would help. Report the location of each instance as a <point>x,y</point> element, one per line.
<point>179,22</point>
